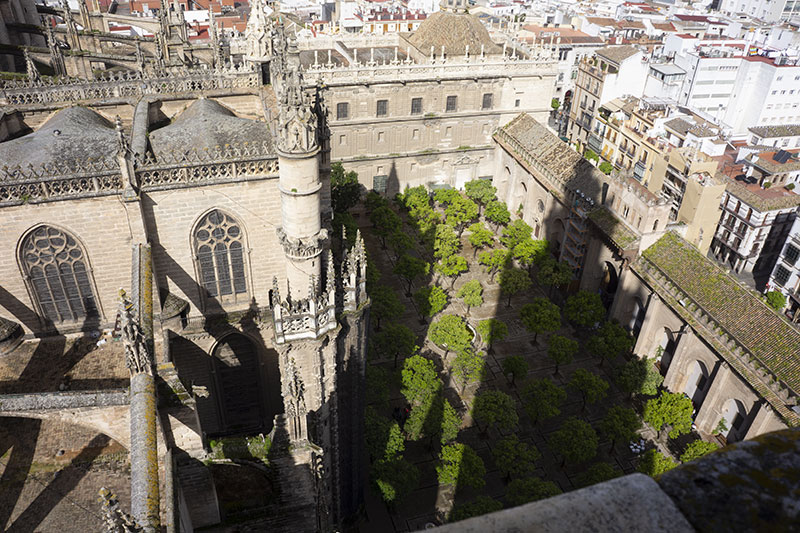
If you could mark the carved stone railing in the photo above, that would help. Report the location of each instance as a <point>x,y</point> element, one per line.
<point>309,318</point>
<point>470,67</point>
<point>103,177</point>
<point>126,85</point>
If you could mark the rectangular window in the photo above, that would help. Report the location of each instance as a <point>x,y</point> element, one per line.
<point>416,106</point>
<point>342,140</point>
<point>415,134</point>
<point>382,106</point>
<point>451,103</point>
<point>380,137</point>
<point>342,110</point>
<point>487,101</point>
<point>379,184</point>
<point>781,275</point>
<point>791,254</point>
<point>516,102</point>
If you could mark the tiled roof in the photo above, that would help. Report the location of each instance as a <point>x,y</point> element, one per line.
<point>679,125</point>
<point>611,225</point>
<point>767,162</point>
<point>617,54</point>
<point>734,308</point>
<point>779,130</point>
<point>454,31</point>
<point>762,200</point>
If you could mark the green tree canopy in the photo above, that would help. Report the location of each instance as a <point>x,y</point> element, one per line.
<point>410,268</point>
<point>561,350</point>
<point>345,224</point>
<point>477,507</point>
<point>553,273</point>
<point>461,212</point>
<point>395,479</point>
<point>515,233</point>
<point>522,491</point>
<point>516,366</point>
<point>430,301</point>
<point>492,330</point>
<point>395,341</point>
<point>669,409</point>
<point>575,440</point>
<point>374,200</point>
<point>494,408</point>
<point>384,438</point>
<point>451,333</point>
<point>471,293</point>
<point>639,376</point>
<point>468,367</point>
<point>451,266</point>
<point>451,422</point>
<point>515,458</point>
<point>384,223</point>
<point>776,300</point>
<point>542,399</point>
<point>597,473</point>
<point>530,252</point>
<point>620,424</point>
<point>385,305</point>
<point>446,242</point>
<point>605,167</point>
<point>555,104</point>
<point>494,260</point>
<point>697,449</point>
<point>592,387</point>
<point>654,463</point>
<point>400,242</point>
<point>435,419</point>
<point>610,341</point>
<point>585,309</point>
<point>445,196</point>
<point>497,213</point>
<point>479,237</point>
<point>345,190</point>
<point>419,380</point>
<point>480,191</point>
<point>513,281</point>
<point>378,380</point>
<point>540,316</point>
<point>461,467</point>
<point>415,200</point>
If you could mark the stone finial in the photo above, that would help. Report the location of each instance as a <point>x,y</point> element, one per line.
<point>276,294</point>
<point>30,67</point>
<point>137,358</point>
<point>297,120</point>
<point>330,281</point>
<point>116,520</point>
<point>122,143</point>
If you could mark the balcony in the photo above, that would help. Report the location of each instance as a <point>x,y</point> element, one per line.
<point>639,170</point>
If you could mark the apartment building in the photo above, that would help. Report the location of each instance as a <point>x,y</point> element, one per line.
<point>754,225</point>
<point>785,276</point>
<point>776,168</point>
<point>614,71</point>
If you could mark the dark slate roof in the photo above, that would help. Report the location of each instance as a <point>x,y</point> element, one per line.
<point>74,134</point>
<point>454,31</point>
<point>206,125</point>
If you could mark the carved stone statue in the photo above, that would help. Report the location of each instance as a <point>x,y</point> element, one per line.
<point>116,520</point>
<point>137,358</point>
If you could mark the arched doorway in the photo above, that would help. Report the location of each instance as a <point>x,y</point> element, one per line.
<point>637,317</point>
<point>608,287</point>
<point>520,198</point>
<point>238,384</point>
<point>665,350</point>
<point>734,414</point>
<point>697,383</point>
<point>557,236</point>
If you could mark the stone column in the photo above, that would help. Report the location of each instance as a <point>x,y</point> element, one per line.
<point>672,379</point>
<point>650,327</point>
<point>136,324</point>
<point>708,416</point>
<point>301,233</point>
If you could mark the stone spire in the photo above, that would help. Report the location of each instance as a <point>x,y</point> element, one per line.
<point>258,33</point>
<point>297,121</point>
<point>216,45</point>
<point>72,27</point>
<point>56,55</point>
<point>30,67</point>
<point>454,6</point>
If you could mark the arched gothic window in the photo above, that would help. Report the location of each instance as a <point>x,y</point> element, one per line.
<point>56,267</point>
<point>219,251</point>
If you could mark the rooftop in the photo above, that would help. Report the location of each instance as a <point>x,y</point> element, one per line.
<point>668,69</point>
<point>679,125</point>
<point>205,125</point>
<point>617,54</point>
<point>454,32</point>
<point>735,308</point>
<point>74,134</point>
<point>767,160</point>
<point>779,130</point>
<point>752,194</point>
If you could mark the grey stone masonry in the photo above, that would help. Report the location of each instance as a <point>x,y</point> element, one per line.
<point>47,401</point>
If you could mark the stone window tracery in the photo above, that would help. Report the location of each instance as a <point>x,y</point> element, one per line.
<point>219,252</point>
<point>57,270</point>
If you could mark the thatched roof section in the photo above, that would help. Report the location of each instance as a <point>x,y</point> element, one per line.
<point>454,31</point>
